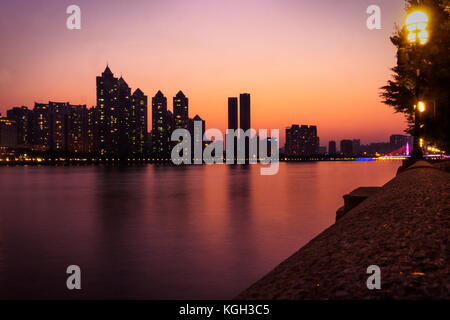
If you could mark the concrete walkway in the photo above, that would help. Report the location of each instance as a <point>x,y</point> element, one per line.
<point>403,228</point>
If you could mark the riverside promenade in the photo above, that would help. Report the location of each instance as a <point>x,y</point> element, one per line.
<point>403,228</point>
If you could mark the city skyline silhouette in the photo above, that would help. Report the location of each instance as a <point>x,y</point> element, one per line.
<point>302,62</point>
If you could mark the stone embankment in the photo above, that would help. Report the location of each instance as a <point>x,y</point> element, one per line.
<point>402,227</point>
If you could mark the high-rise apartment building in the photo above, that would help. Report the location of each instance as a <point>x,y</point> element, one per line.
<point>161,127</point>
<point>121,118</point>
<point>302,140</point>
<point>181,110</point>
<point>107,105</point>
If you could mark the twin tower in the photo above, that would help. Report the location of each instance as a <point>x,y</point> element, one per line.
<point>244,115</point>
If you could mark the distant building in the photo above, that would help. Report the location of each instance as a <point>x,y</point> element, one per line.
<point>332,147</point>
<point>301,140</point>
<point>181,110</point>
<point>233,119</point>
<point>41,126</point>
<point>60,127</point>
<point>116,126</point>
<point>138,123</point>
<point>356,146</point>
<point>292,145</point>
<point>378,147</point>
<point>347,147</point>
<point>232,113</point>
<point>197,140</point>
<point>399,141</point>
<point>8,133</point>
<point>181,115</point>
<point>121,135</point>
<point>77,129</point>
<point>322,150</point>
<point>120,117</point>
<point>107,106</point>
<point>244,101</point>
<point>23,117</point>
<point>161,127</point>
<point>170,122</point>
<point>92,135</point>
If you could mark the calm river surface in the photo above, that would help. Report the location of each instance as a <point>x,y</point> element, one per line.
<point>162,232</point>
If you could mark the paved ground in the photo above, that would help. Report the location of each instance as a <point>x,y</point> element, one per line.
<point>404,229</point>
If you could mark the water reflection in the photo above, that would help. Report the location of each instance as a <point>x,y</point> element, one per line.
<point>159,232</point>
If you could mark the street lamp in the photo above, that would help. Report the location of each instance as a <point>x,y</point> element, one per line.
<point>421,106</point>
<point>416,24</point>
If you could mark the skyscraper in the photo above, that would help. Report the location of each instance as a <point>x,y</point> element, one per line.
<point>244,101</point>
<point>160,127</point>
<point>233,121</point>
<point>107,104</point>
<point>123,114</point>
<point>181,110</point>
<point>121,117</point>
<point>244,120</point>
<point>139,126</point>
<point>232,113</point>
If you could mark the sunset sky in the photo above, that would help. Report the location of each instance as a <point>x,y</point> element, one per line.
<point>302,61</point>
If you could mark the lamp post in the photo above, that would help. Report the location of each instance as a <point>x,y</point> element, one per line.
<point>416,24</point>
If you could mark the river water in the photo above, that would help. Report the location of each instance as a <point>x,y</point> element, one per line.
<point>163,232</point>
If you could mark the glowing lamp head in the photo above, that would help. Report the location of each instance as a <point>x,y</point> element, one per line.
<point>421,106</point>
<point>416,18</point>
<point>416,24</point>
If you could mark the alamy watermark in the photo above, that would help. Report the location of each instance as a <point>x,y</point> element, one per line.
<point>74,280</point>
<point>73,21</point>
<point>374,281</point>
<point>374,20</point>
<point>241,147</point>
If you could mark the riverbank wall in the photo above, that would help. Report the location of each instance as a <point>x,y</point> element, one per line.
<point>402,228</point>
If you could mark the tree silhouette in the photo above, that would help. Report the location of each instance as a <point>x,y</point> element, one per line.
<point>433,85</point>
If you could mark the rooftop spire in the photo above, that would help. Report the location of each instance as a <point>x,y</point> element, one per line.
<point>107,70</point>
<point>180,94</point>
